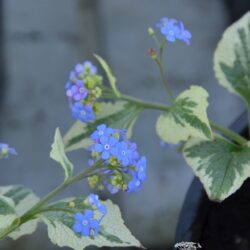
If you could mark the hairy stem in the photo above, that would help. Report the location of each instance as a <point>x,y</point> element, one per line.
<point>228,133</point>
<point>163,80</point>
<point>150,105</point>
<point>38,206</point>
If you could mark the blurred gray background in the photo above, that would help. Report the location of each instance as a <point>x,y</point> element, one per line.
<point>42,41</point>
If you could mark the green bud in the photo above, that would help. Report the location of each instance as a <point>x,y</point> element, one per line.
<point>72,204</point>
<point>113,161</point>
<point>117,181</point>
<point>89,82</point>
<point>96,107</point>
<point>151,32</point>
<point>93,180</point>
<point>96,92</point>
<point>100,187</point>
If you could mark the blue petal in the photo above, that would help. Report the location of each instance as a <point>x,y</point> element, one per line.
<point>88,214</point>
<point>105,155</point>
<point>77,228</point>
<point>102,209</point>
<point>79,216</point>
<point>109,131</point>
<point>101,127</point>
<point>113,141</point>
<point>94,224</point>
<point>125,161</point>
<point>171,38</point>
<point>98,148</point>
<point>85,231</point>
<point>104,139</point>
<point>114,151</point>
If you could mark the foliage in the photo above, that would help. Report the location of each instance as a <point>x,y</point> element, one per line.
<point>104,128</point>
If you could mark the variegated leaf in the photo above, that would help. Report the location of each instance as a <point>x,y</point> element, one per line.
<point>221,165</point>
<point>186,118</point>
<point>120,115</point>
<point>232,59</point>
<point>112,233</point>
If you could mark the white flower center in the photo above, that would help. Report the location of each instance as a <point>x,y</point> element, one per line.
<point>85,222</point>
<point>100,132</point>
<point>107,147</point>
<point>137,183</point>
<point>83,113</point>
<point>81,90</point>
<point>171,32</point>
<point>123,152</point>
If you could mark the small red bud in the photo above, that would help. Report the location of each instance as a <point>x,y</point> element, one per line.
<point>152,53</point>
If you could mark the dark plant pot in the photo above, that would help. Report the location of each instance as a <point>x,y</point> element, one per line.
<point>217,226</point>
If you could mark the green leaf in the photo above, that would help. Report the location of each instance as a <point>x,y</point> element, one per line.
<point>113,232</point>
<point>111,77</point>
<point>232,59</point>
<point>221,165</point>
<point>20,200</point>
<point>7,212</point>
<point>58,154</point>
<point>118,115</point>
<point>186,117</point>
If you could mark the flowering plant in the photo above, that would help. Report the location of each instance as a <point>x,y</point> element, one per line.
<point>217,155</point>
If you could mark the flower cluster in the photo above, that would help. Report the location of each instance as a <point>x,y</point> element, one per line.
<point>82,90</point>
<point>5,151</point>
<point>124,169</point>
<point>86,223</point>
<point>174,30</point>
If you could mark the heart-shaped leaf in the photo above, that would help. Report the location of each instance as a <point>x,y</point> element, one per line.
<point>221,165</point>
<point>186,117</point>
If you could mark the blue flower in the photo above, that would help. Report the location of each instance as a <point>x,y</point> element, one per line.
<point>173,30</point>
<point>5,151</point>
<point>101,131</point>
<point>165,21</point>
<point>184,34</point>
<point>122,167</point>
<point>91,69</point>
<point>83,113</point>
<point>106,146</point>
<point>86,67</point>
<point>93,200</point>
<point>170,32</point>
<point>141,166</point>
<point>112,189</point>
<point>138,176</point>
<point>67,85</point>
<point>77,91</point>
<point>83,86</point>
<point>85,224</point>
<point>79,70</point>
<point>72,76</point>
<point>123,153</point>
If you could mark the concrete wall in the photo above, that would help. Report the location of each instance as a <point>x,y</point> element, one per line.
<point>44,39</point>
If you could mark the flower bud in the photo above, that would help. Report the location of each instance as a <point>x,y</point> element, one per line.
<point>151,32</point>
<point>152,53</point>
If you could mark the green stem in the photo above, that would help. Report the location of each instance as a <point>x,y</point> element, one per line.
<point>162,49</point>
<point>37,207</point>
<point>144,104</point>
<point>150,105</point>
<point>164,81</point>
<point>228,133</point>
<point>147,105</point>
<point>248,118</point>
